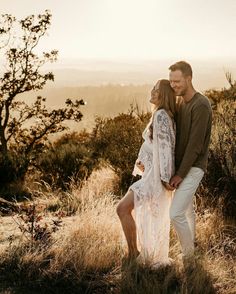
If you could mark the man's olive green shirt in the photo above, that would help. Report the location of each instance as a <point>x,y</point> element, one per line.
<point>193,130</point>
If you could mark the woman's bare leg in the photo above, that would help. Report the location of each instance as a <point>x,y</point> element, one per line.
<point>124,209</point>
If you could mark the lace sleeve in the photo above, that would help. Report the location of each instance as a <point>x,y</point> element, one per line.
<point>164,136</point>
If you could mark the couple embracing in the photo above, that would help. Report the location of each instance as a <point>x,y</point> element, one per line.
<point>171,161</point>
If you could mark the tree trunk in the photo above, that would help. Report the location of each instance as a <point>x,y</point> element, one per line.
<point>3,146</point>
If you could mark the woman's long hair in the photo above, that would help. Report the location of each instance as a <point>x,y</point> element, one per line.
<point>166,101</point>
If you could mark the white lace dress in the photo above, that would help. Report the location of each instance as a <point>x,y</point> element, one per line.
<point>151,199</point>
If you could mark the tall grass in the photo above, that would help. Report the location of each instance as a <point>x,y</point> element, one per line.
<point>86,256</point>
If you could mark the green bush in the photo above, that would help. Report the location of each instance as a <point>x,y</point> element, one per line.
<point>117,140</point>
<point>12,167</point>
<point>221,174</point>
<point>69,157</point>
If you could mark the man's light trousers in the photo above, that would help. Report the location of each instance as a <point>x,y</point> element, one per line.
<point>182,213</point>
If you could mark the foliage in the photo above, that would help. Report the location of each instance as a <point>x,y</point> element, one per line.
<point>35,227</point>
<point>25,127</point>
<point>118,140</point>
<point>12,167</point>
<point>87,257</point>
<point>221,175</point>
<point>69,157</point>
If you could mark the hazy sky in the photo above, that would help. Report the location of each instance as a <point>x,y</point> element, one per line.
<point>136,29</point>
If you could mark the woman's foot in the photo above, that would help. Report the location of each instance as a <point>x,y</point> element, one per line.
<point>133,255</point>
<point>130,258</point>
<point>140,260</point>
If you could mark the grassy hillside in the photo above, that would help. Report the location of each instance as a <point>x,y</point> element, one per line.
<point>85,254</point>
<point>66,237</point>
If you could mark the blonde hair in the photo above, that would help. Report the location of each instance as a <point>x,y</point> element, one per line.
<point>166,101</point>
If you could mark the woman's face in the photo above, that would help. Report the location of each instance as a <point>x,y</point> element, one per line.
<point>155,94</point>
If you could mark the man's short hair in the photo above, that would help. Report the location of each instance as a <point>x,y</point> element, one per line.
<point>183,66</point>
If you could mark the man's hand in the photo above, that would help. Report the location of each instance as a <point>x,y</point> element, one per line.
<point>140,165</point>
<point>175,181</point>
<point>167,186</point>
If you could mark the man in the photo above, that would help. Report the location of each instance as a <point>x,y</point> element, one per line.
<point>192,140</point>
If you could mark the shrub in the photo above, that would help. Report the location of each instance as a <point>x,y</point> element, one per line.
<point>118,139</point>
<point>68,157</point>
<point>221,174</point>
<point>12,167</point>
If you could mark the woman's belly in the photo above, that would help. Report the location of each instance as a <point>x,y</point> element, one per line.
<point>145,156</point>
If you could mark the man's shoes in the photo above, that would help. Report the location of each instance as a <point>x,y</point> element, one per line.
<point>189,262</point>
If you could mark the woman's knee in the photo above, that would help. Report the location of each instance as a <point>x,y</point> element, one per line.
<point>125,206</point>
<point>121,209</point>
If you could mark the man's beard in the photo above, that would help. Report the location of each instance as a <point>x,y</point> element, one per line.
<point>181,92</point>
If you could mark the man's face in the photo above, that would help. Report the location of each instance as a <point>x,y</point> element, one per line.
<point>179,82</point>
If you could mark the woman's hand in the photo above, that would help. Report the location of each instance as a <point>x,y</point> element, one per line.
<point>140,165</point>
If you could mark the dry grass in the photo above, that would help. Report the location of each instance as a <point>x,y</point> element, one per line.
<point>87,254</point>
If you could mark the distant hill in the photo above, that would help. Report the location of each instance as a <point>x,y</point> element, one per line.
<point>109,87</point>
<point>208,73</point>
<point>105,101</point>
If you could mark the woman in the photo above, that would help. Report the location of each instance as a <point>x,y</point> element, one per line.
<point>151,195</point>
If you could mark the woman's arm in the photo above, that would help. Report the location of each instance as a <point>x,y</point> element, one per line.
<point>140,165</point>
<point>164,135</point>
